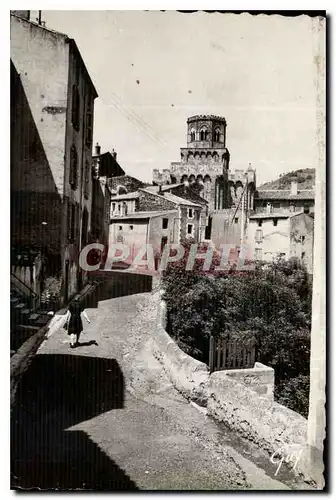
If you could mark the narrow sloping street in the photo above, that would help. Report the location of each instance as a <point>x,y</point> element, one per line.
<point>105,416</point>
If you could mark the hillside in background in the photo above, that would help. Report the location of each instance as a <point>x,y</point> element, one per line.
<point>305,177</point>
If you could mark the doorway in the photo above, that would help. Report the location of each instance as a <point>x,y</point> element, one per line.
<point>208,229</point>
<point>66,282</point>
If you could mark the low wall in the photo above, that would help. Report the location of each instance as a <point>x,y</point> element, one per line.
<point>273,427</point>
<point>189,376</point>
<point>242,399</point>
<point>260,379</point>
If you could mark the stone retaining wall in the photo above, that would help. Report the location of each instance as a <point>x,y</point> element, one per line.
<point>188,375</point>
<point>242,399</point>
<point>260,379</point>
<point>272,426</point>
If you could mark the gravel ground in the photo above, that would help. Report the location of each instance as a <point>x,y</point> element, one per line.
<point>160,440</point>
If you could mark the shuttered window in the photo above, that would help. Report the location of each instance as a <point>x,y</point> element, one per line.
<point>73,178</point>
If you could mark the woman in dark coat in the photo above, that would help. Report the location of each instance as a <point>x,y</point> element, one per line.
<point>75,324</point>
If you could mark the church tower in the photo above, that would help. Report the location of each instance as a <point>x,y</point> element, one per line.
<point>204,165</point>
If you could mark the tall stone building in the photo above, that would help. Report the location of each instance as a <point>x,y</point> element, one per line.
<point>205,166</point>
<point>52,105</point>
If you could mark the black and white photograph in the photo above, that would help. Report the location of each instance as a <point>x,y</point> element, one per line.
<point>167,250</point>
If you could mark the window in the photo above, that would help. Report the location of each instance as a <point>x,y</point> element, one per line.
<point>259,235</point>
<point>260,222</point>
<point>120,228</point>
<point>113,207</point>
<point>85,227</point>
<point>73,178</point>
<point>275,222</point>
<point>72,222</point>
<point>75,107</point>
<point>236,220</point>
<point>87,179</point>
<point>164,223</point>
<point>131,228</point>
<point>303,239</point>
<point>192,135</point>
<point>258,254</point>
<point>276,206</point>
<point>216,135</point>
<point>190,213</point>
<point>89,128</point>
<point>303,255</point>
<point>89,123</point>
<point>204,135</point>
<point>306,209</point>
<point>190,228</point>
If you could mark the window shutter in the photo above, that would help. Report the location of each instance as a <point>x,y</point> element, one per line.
<point>73,178</point>
<point>69,217</point>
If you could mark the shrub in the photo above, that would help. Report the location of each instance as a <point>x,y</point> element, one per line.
<point>272,303</point>
<point>294,394</point>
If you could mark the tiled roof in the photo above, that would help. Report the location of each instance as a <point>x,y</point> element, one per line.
<point>126,196</point>
<point>142,215</point>
<point>174,199</point>
<point>279,215</point>
<point>164,187</point>
<point>278,194</point>
<point>181,201</point>
<point>276,215</point>
<point>282,215</point>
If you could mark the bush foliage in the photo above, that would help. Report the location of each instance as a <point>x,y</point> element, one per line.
<point>271,303</point>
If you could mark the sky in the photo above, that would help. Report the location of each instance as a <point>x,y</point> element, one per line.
<point>152,70</point>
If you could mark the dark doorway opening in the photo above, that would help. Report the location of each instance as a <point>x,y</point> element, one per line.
<point>66,282</point>
<point>164,241</point>
<point>208,229</point>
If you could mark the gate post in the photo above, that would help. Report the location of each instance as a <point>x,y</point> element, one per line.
<point>211,354</point>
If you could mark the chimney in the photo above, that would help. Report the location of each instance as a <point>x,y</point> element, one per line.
<point>114,154</point>
<point>97,149</point>
<point>294,189</point>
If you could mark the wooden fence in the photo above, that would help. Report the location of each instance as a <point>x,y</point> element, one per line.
<point>231,355</point>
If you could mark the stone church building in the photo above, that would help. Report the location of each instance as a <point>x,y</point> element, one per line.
<point>205,166</point>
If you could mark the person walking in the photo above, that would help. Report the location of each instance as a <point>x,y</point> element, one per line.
<point>74,321</point>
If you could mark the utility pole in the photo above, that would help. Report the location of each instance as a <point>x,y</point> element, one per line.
<point>242,229</point>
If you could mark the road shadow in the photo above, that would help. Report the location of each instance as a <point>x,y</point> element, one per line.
<point>113,284</point>
<point>90,342</point>
<point>56,393</point>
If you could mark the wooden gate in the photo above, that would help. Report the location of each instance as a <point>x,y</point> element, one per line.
<point>231,355</point>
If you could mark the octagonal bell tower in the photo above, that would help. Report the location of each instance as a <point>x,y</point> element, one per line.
<point>206,132</point>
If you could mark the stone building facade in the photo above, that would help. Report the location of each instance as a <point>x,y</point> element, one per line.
<point>104,168</point>
<point>52,104</point>
<point>282,225</point>
<point>154,216</point>
<point>205,166</point>
<point>282,235</point>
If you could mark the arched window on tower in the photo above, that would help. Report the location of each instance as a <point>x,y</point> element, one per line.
<point>217,135</point>
<point>220,194</point>
<point>204,134</point>
<point>192,135</point>
<point>207,187</point>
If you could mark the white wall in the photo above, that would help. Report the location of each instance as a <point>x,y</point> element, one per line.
<point>275,239</point>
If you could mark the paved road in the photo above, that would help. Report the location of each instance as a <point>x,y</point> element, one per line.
<point>105,416</point>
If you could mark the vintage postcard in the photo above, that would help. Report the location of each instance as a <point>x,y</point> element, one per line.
<point>167,286</point>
